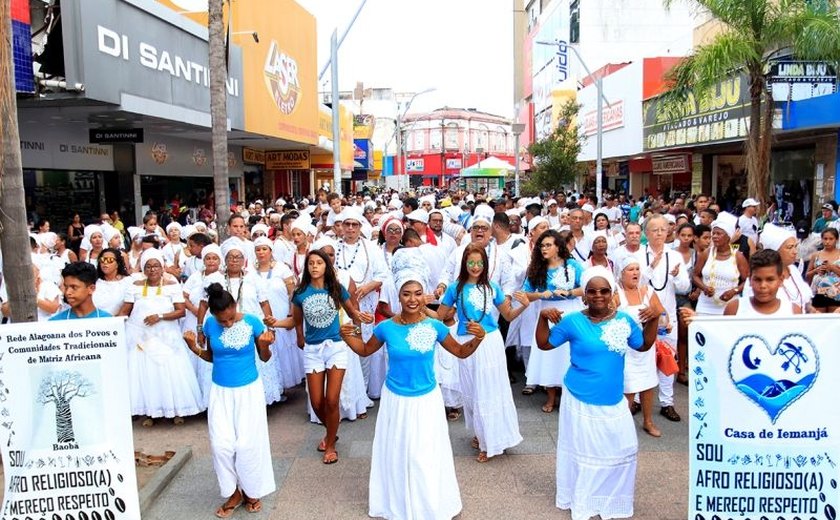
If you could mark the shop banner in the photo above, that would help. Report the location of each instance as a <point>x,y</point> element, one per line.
<point>253,156</point>
<point>362,154</point>
<point>65,421</point>
<point>764,441</point>
<point>287,160</point>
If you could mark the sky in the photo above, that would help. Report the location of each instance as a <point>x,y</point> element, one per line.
<point>461,48</point>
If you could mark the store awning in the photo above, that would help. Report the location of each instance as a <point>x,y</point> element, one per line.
<point>490,167</point>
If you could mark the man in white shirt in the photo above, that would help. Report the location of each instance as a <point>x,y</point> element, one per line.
<point>700,204</point>
<point>747,222</point>
<point>632,245</point>
<point>553,216</point>
<point>576,225</point>
<point>436,222</point>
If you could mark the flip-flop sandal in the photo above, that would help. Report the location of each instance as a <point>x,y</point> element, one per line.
<point>225,511</point>
<point>330,458</point>
<point>528,390</point>
<point>482,457</point>
<point>474,443</point>
<point>322,446</point>
<point>253,505</point>
<point>548,408</point>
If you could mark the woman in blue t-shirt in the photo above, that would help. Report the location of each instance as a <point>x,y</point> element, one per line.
<point>236,412</point>
<point>552,281</point>
<point>412,472</point>
<point>596,437</point>
<point>488,403</point>
<point>315,309</point>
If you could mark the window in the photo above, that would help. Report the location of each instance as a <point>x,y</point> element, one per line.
<point>533,10</point>
<point>451,136</point>
<point>574,21</point>
<point>435,138</point>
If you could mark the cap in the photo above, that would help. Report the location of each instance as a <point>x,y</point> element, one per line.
<point>419,215</point>
<point>750,202</point>
<point>828,207</point>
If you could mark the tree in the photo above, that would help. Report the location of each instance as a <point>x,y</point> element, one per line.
<point>218,113</point>
<point>555,158</point>
<point>753,33</point>
<point>14,234</point>
<point>60,388</point>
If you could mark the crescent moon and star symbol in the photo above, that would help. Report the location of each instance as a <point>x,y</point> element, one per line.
<point>752,364</point>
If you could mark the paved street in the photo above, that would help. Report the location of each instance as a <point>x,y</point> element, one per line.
<point>517,485</point>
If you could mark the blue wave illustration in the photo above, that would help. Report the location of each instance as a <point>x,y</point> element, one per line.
<point>771,395</point>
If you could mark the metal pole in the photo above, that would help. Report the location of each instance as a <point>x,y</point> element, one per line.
<point>398,167</point>
<point>336,126</point>
<point>599,139</point>
<point>516,163</point>
<point>341,40</point>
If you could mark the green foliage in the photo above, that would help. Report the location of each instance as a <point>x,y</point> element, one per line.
<point>555,158</point>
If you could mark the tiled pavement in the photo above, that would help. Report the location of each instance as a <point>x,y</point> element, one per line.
<point>517,485</point>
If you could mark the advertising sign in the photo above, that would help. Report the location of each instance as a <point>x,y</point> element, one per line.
<point>115,135</point>
<point>146,59</point>
<point>363,126</point>
<point>22,47</point>
<point>415,165</point>
<point>62,148</point>
<point>796,80</point>
<point>670,164</point>
<point>170,156</point>
<point>720,115</point>
<point>551,65</point>
<point>68,449</point>
<point>287,160</point>
<point>361,154</point>
<point>612,118</point>
<point>252,156</point>
<point>454,164</point>
<point>759,445</point>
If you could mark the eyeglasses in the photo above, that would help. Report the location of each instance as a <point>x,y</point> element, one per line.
<point>152,267</point>
<point>107,260</point>
<point>481,229</point>
<point>546,245</point>
<point>235,258</point>
<point>351,224</point>
<point>475,263</point>
<point>394,230</point>
<point>599,292</point>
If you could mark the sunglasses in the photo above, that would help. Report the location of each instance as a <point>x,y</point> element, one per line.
<point>599,292</point>
<point>107,260</point>
<point>475,263</point>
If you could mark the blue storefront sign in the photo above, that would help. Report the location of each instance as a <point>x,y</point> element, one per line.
<point>362,154</point>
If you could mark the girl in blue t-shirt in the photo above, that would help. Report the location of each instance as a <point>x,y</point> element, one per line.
<point>236,413</point>
<point>412,472</point>
<point>488,403</point>
<point>315,311</point>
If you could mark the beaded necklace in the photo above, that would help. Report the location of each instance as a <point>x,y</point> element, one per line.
<point>346,267</point>
<point>667,269</point>
<point>146,287</point>
<point>713,277</point>
<point>239,291</point>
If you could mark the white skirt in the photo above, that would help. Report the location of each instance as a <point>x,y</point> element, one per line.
<point>353,400</point>
<point>291,359</point>
<point>549,367</point>
<point>239,444</point>
<point>640,370</point>
<point>447,374</point>
<point>488,401</point>
<point>596,459</point>
<point>412,472</point>
<point>270,374</point>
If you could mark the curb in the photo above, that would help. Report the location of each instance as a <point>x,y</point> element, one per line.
<point>154,487</point>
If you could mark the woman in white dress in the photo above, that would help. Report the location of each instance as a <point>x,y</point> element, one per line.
<point>301,235</point>
<point>642,304</point>
<point>552,281</point>
<point>390,237</point>
<point>720,272</point>
<point>174,253</point>
<point>162,382</point>
<point>251,296</point>
<point>280,283</point>
<point>794,287</point>
<point>353,400</point>
<point>112,282</point>
<point>92,244</point>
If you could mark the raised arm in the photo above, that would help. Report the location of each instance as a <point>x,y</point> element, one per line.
<point>352,335</point>
<point>506,308</point>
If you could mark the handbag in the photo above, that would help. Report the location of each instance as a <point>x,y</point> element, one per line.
<point>665,360</point>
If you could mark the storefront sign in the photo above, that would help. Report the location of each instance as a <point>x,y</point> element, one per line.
<point>67,444</point>
<point>361,154</point>
<point>760,446</point>
<point>612,118</point>
<point>173,157</point>
<point>287,160</point>
<point>415,165</point>
<point>62,148</point>
<point>252,156</point>
<point>363,125</point>
<point>716,116</point>
<point>670,164</point>
<point>115,135</point>
<point>454,164</point>
<point>796,80</point>
<point>146,59</point>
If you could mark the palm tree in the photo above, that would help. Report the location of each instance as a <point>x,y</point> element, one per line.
<point>14,235</point>
<point>218,113</point>
<point>752,33</point>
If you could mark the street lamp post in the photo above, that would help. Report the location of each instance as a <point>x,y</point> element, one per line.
<point>599,117</point>
<point>517,129</point>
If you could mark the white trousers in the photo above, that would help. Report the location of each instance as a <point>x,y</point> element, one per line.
<point>239,439</point>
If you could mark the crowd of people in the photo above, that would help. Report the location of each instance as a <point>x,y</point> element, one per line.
<point>431,304</point>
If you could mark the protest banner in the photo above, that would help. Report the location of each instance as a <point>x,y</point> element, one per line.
<point>65,421</point>
<point>764,430</point>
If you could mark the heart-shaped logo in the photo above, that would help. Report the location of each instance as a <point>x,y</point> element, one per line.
<point>774,378</point>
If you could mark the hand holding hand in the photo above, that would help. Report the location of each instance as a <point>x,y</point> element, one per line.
<point>349,330</point>
<point>553,315</point>
<point>476,330</point>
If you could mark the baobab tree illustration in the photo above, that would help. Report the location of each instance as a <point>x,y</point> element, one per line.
<point>60,388</point>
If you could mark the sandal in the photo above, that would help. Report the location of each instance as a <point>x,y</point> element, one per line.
<point>669,413</point>
<point>454,414</point>
<point>474,443</point>
<point>330,457</point>
<point>148,422</point>
<point>482,457</point>
<point>528,390</point>
<point>548,408</point>
<point>322,446</point>
<point>178,421</point>
<point>226,510</point>
<point>253,505</point>
<point>362,415</point>
<point>652,430</point>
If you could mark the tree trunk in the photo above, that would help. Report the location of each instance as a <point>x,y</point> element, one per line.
<point>218,114</point>
<point>758,140</point>
<point>64,422</point>
<point>14,234</point>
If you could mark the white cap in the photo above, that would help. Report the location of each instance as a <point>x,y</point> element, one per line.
<point>750,202</point>
<point>588,207</point>
<point>552,202</point>
<point>419,215</point>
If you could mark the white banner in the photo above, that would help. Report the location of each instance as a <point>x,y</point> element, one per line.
<point>764,427</point>
<point>65,421</point>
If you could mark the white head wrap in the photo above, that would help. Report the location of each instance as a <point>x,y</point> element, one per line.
<point>419,215</point>
<point>259,227</point>
<point>109,232</point>
<point>135,233</point>
<point>627,261</point>
<point>726,222</point>
<point>188,231</point>
<point>325,241</point>
<point>598,271</point>
<point>303,224</point>
<point>232,244</point>
<point>150,254</point>
<point>92,229</point>
<point>352,213</point>
<point>428,198</point>
<point>534,222</point>
<point>173,225</point>
<point>264,241</point>
<point>772,237</point>
<point>212,249</point>
<point>409,265</point>
<point>595,234</point>
<point>48,239</point>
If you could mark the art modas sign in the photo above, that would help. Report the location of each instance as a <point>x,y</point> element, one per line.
<point>287,160</point>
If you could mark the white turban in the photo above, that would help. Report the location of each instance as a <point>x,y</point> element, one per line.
<point>428,198</point>
<point>391,219</point>
<point>259,227</point>
<point>772,237</point>
<point>150,254</point>
<point>109,232</point>
<point>627,261</point>
<point>188,231</point>
<point>173,225</point>
<point>351,213</point>
<point>726,222</point>
<point>534,222</point>
<point>232,244</point>
<point>264,241</point>
<point>419,215</point>
<point>409,265</point>
<point>323,242</point>
<point>212,249</point>
<point>48,239</point>
<point>597,271</point>
<point>135,233</point>
<point>595,234</point>
<point>303,224</point>
<point>91,230</point>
